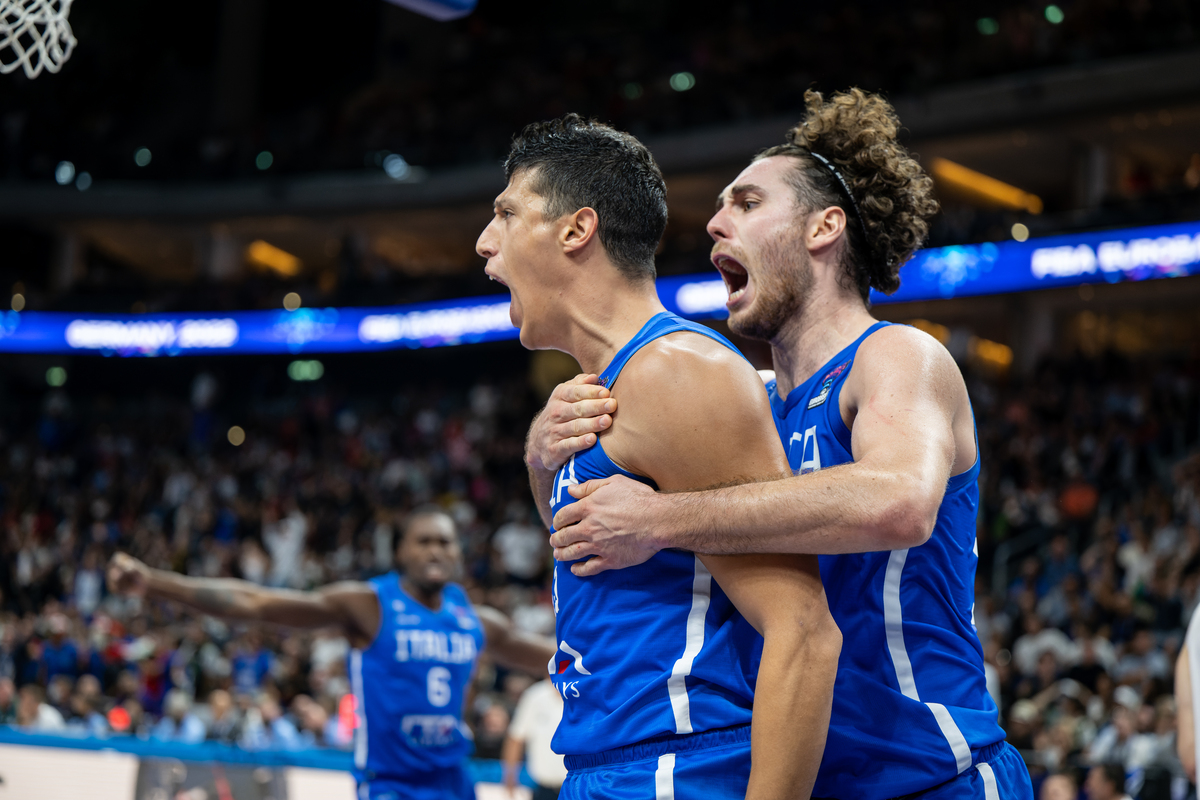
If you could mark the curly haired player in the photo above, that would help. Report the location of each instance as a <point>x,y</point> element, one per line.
<point>880,434</point>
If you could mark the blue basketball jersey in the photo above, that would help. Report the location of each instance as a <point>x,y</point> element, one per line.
<point>652,650</point>
<point>910,705</point>
<point>409,685</point>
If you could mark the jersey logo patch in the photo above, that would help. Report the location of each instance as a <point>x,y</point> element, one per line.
<point>827,385</point>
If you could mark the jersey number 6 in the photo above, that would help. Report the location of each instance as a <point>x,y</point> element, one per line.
<point>437,686</point>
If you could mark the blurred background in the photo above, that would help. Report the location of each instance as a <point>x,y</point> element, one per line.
<point>291,159</point>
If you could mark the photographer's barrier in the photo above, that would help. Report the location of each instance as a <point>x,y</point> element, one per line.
<point>37,766</point>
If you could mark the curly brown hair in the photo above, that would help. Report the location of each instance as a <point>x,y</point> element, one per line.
<point>890,193</point>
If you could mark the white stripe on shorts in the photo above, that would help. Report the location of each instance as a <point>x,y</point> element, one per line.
<point>990,790</point>
<point>664,778</point>
<point>677,683</point>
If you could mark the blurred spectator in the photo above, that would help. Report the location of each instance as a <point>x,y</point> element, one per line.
<point>59,656</point>
<point>178,723</point>
<point>1059,786</point>
<point>268,729</point>
<point>224,722</point>
<point>1106,782</point>
<point>8,701</point>
<point>533,725</point>
<point>317,725</point>
<point>33,714</point>
<point>1143,661</point>
<point>1038,640</point>
<point>493,725</point>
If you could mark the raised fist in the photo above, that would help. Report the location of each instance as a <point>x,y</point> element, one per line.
<point>127,575</point>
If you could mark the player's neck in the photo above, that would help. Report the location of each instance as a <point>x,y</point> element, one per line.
<point>828,322</point>
<point>604,319</point>
<point>428,596</point>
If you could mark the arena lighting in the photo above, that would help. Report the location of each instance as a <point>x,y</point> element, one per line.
<point>984,187</point>
<point>265,254</point>
<point>142,157</point>
<point>306,370</point>
<point>1134,254</point>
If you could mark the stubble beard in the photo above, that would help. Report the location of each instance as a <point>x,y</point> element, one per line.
<point>783,280</point>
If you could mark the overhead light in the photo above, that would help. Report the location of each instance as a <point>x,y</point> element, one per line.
<point>264,160</point>
<point>984,187</point>
<point>142,157</point>
<point>682,81</point>
<point>291,301</point>
<point>265,254</point>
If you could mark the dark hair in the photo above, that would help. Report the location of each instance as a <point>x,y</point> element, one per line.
<point>1114,773</point>
<point>890,194</point>
<point>577,163</point>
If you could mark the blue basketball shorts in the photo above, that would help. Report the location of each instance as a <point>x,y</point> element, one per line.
<point>713,765</point>
<point>448,783</point>
<point>999,773</point>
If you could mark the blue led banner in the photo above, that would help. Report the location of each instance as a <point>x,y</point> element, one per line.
<point>1136,254</point>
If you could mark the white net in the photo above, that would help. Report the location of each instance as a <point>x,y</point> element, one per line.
<point>34,35</point>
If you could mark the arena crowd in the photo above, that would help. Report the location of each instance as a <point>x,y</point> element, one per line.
<point>1089,542</point>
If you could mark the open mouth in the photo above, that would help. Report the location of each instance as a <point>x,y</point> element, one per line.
<point>496,279</point>
<point>734,274</point>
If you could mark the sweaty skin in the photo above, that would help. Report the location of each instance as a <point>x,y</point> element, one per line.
<point>675,394</point>
<point>429,552</point>
<point>904,401</point>
<point>568,295</point>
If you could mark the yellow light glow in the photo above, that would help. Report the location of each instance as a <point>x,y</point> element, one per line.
<point>236,436</point>
<point>939,332</point>
<point>993,354</point>
<point>264,254</point>
<point>984,187</point>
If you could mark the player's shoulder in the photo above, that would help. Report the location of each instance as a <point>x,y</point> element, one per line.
<point>898,348</point>
<point>898,354</point>
<point>686,359</point>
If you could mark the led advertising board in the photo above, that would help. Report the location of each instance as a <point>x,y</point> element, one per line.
<point>1136,254</point>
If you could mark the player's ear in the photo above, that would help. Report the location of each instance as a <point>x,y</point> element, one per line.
<point>578,229</point>
<point>825,227</point>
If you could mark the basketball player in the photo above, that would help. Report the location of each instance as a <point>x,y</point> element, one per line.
<point>880,433</point>
<point>415,637</point>
<point>659,665</point>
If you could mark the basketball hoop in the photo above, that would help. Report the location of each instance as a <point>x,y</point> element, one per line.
<point>34,35</point>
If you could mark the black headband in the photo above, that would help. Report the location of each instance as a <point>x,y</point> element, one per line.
<point>862,226</point>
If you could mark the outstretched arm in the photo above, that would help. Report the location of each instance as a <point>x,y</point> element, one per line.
<point>694,414</point>
<point>349,606</point>
<point>512,647</point>
<point>576,411</point>
<point>911,429</point>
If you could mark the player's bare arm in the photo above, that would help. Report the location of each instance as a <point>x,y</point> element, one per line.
<point>575,414</point>
<point>694,414</point>
<point>512,647</point>
<point>1185,723</point>
<point>908,411</point>
<point>350,606</point>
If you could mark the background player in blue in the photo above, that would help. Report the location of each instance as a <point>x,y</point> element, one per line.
<point>415,637</point>
<point>659,671</point>
<point>880,434</point>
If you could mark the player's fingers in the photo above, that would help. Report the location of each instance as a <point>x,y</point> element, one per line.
<point>593,566</point>
<point>580,392</point>
<point>582,425</point>
<point>586,409</point>
<point>582,490</point>
<point>574,552</point>
<point>568,516</point>
<point>565,533</point>
<point>581,378</point>
<point>565,448</point>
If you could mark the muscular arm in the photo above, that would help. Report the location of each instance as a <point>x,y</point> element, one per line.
<point>911,429</point>
<point>512,647</point>
<point>350,606</point>
<point>576,411</point>
<point>693,414</point>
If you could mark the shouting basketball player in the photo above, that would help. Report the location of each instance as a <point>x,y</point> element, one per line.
<point>879,431</point>
<point>658,665</point>
<point>415,637</point>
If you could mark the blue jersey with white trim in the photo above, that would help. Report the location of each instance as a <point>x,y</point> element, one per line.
<point>409,684</point>
<point>910,702</point>
<point>652,650</point>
